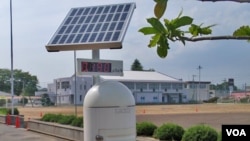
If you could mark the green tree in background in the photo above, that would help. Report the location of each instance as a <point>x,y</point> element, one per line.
<point>46,100</point>
<point>222,87</point>
<point>136,66</point>
<point>24,82</point>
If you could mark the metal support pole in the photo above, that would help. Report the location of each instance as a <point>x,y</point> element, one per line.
<point>96,56</point>
<point>23,93</point>
<point>75,83</point>
<point>11,56</point>
<point>56,94</point>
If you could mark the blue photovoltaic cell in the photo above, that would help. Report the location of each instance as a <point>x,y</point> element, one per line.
<point>94,24</point>
<point>75,30</point>
<point>78,38</point>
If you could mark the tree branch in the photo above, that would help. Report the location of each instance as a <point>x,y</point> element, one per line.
<point>216,38</point>
<point>241,1</point>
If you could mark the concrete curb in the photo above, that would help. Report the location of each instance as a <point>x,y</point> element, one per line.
<point>56,130</point>
<point>65,131</point>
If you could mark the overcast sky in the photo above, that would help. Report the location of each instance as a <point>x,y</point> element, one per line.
<point>35,21</point>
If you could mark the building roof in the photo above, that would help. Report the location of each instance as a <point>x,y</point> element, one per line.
<point>142,76</point>
<point>197,82</point>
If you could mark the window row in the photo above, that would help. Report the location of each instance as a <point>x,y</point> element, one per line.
<point>153,86</point>
<point>195,86</point>
<point>66,85</point>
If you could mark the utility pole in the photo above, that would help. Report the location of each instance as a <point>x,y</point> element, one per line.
<point>23,93</point>
<point>199,68</point>
<point>75,96</point>
<point>245,89</point>
<point>224,85</point>
<point>11,58</point>
<point>194,87</point>
<point>56,94</point>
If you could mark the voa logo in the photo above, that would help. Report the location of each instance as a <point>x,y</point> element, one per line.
<point>236,132</point>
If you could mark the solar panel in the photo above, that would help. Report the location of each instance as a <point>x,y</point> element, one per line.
<point>95,27</point>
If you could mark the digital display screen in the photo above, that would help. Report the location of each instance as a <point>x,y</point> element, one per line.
<point>99,67</point>
<point>96,67</point>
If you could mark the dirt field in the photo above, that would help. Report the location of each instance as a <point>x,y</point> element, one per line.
<point>184,115</point>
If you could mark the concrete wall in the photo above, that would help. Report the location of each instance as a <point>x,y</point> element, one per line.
<point>58,130</point>
<point>2,119</point>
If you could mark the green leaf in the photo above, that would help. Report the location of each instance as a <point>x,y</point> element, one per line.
<point>157,25</point>
<point>183,21</point>
<point>162,52</point>
<point>242,31</point>
<point>206,31</point>
<point>160,8</point>
<point>196,30</point>
<point>162,48</point>
<point>148,30</point>
<point>193,29</point>
<point>154,40</point>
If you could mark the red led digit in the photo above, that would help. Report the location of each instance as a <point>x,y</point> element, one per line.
<point>99,67</point>
<point>84,66</point>
<point>107,67</point>
<point>93,67</point>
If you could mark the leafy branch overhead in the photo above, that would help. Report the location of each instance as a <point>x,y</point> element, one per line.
<point>172,30</point>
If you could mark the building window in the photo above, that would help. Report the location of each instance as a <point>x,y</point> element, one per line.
<point>153,86</point>
<point>130,85</point>
<point>80,97</point>
<point>165,86</point>
<point>58,85</point>
<point>142,98</point>
<point>202,86</point>
<point>193,86</point>
<point>81,87</point>
<point>155,98</point>
<point>180,86</point>
<point>141,86</point>
<point>177,86</point>
<point>65,85</point>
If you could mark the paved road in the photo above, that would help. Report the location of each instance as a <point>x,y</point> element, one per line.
<point>10,133</point>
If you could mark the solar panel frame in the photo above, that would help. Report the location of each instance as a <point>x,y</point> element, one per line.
<point>93,27</point>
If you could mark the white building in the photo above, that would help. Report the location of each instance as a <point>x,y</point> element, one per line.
<point>64,89</point>
<point>152,86</point>
<point>146,86</point>
<point>198,91</point>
